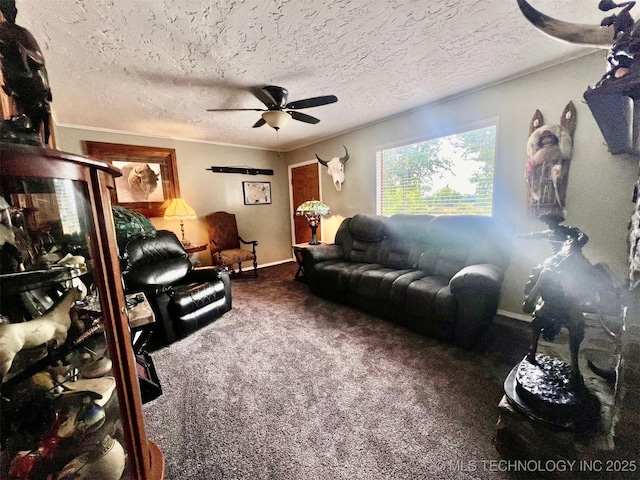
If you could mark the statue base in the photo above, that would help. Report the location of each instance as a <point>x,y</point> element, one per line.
<point>543,392</point>
<point>17,130</point>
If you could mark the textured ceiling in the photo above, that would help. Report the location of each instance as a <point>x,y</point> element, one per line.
<point>153,67</point>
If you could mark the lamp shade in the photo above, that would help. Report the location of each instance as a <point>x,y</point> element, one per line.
<point>178,209</point>
<point>276,118</point>
<point>313,208</point>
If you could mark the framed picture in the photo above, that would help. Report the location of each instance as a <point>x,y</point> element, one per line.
<point>149,175</point>
<point>256,193</point>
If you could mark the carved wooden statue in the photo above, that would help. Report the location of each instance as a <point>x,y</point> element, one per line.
<point>25,106</point>
<point>549,156</point>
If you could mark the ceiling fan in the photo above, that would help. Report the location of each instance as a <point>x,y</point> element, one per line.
<point>278,111</point>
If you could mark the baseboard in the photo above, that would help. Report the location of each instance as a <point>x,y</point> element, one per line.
<point>273,264</point>
<point>515,316</point>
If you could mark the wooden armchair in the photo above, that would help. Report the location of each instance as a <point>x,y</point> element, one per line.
<point>224,243</point>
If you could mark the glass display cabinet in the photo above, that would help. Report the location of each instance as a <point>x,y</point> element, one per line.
<point>69,392</point>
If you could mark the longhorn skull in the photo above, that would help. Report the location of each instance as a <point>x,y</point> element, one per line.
<point>617,33</point>
<point>335,168</point>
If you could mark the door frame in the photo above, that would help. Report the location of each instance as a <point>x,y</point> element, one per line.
<point>291,206</point>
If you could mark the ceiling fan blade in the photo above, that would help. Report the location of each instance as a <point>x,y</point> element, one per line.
<point>236,110</point>
<point>277,96</point>
<point>312,102</point>
<point>303,117</point>
<point>259,123</point>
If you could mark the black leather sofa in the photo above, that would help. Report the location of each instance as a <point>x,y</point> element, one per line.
<point>184,298</point>
<point>438,275</point>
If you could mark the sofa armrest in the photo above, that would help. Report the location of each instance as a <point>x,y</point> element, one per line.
<point>477,277</point>
<point>321,253</point>
<point>477,291</point>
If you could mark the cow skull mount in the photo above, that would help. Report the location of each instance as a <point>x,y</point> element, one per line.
<point>335,168</point>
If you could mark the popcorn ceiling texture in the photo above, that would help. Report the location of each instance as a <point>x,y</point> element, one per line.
<point>154,67</point>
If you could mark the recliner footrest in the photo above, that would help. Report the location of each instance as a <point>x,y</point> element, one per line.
<point>187,299</point>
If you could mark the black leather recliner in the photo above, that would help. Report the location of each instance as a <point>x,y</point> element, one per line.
<point>184,298</point>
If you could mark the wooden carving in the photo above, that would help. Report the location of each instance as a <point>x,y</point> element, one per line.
<point>549,156</point>
<point>25,95</point>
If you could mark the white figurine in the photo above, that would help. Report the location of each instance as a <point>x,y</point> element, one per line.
<point>50,326</point>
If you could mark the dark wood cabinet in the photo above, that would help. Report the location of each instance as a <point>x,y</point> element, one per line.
<point>57,235</point>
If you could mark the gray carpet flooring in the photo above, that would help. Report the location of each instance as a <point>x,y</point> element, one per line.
<point>290,386</point>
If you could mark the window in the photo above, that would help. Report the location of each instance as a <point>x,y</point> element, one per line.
<point>452,175</point>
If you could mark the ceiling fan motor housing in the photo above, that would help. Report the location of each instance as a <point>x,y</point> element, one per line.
<point>278,95</point>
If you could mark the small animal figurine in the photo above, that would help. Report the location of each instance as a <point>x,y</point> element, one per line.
<point>53,325</point>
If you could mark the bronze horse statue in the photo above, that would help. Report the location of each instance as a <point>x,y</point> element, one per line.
<point>565,287</point>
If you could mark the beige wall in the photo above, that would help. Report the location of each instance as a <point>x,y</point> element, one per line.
<point>598,197</point>
<point>600,185</point>
<point>208,192</point>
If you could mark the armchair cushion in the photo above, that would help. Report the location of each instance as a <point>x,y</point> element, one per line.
<point>157,260</point>
<point>233,255</point>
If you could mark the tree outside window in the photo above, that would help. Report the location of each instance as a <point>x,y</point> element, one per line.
<point>445,175</point>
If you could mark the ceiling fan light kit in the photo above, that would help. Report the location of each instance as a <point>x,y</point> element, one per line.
<point>276,119</point>
<point>278,111</point>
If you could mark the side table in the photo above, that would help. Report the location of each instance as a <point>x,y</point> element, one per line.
<point>297,254</point>
<point>195,248</point>
<point>141,321</point>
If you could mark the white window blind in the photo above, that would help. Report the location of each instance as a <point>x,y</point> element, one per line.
<point>445,175</point>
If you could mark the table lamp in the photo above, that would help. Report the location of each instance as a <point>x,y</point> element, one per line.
<point>313,210</point>
<point>178,209</point>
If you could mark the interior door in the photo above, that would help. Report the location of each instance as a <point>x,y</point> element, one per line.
<point>305,185</point>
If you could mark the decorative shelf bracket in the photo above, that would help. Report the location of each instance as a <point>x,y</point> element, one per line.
<point>614,114</point>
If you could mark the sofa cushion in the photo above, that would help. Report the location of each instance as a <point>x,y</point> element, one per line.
<point>375,284</point>
<point>362,239</point>
<point>367,228</point>
<point>408,237</point>
<point>457,241</point>
<point>430,297</point>
<point>339,273</point>
<point>398,289</point>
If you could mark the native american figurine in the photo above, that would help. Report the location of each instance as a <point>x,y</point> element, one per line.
<point>547,169</point>
<point>24,81</point>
